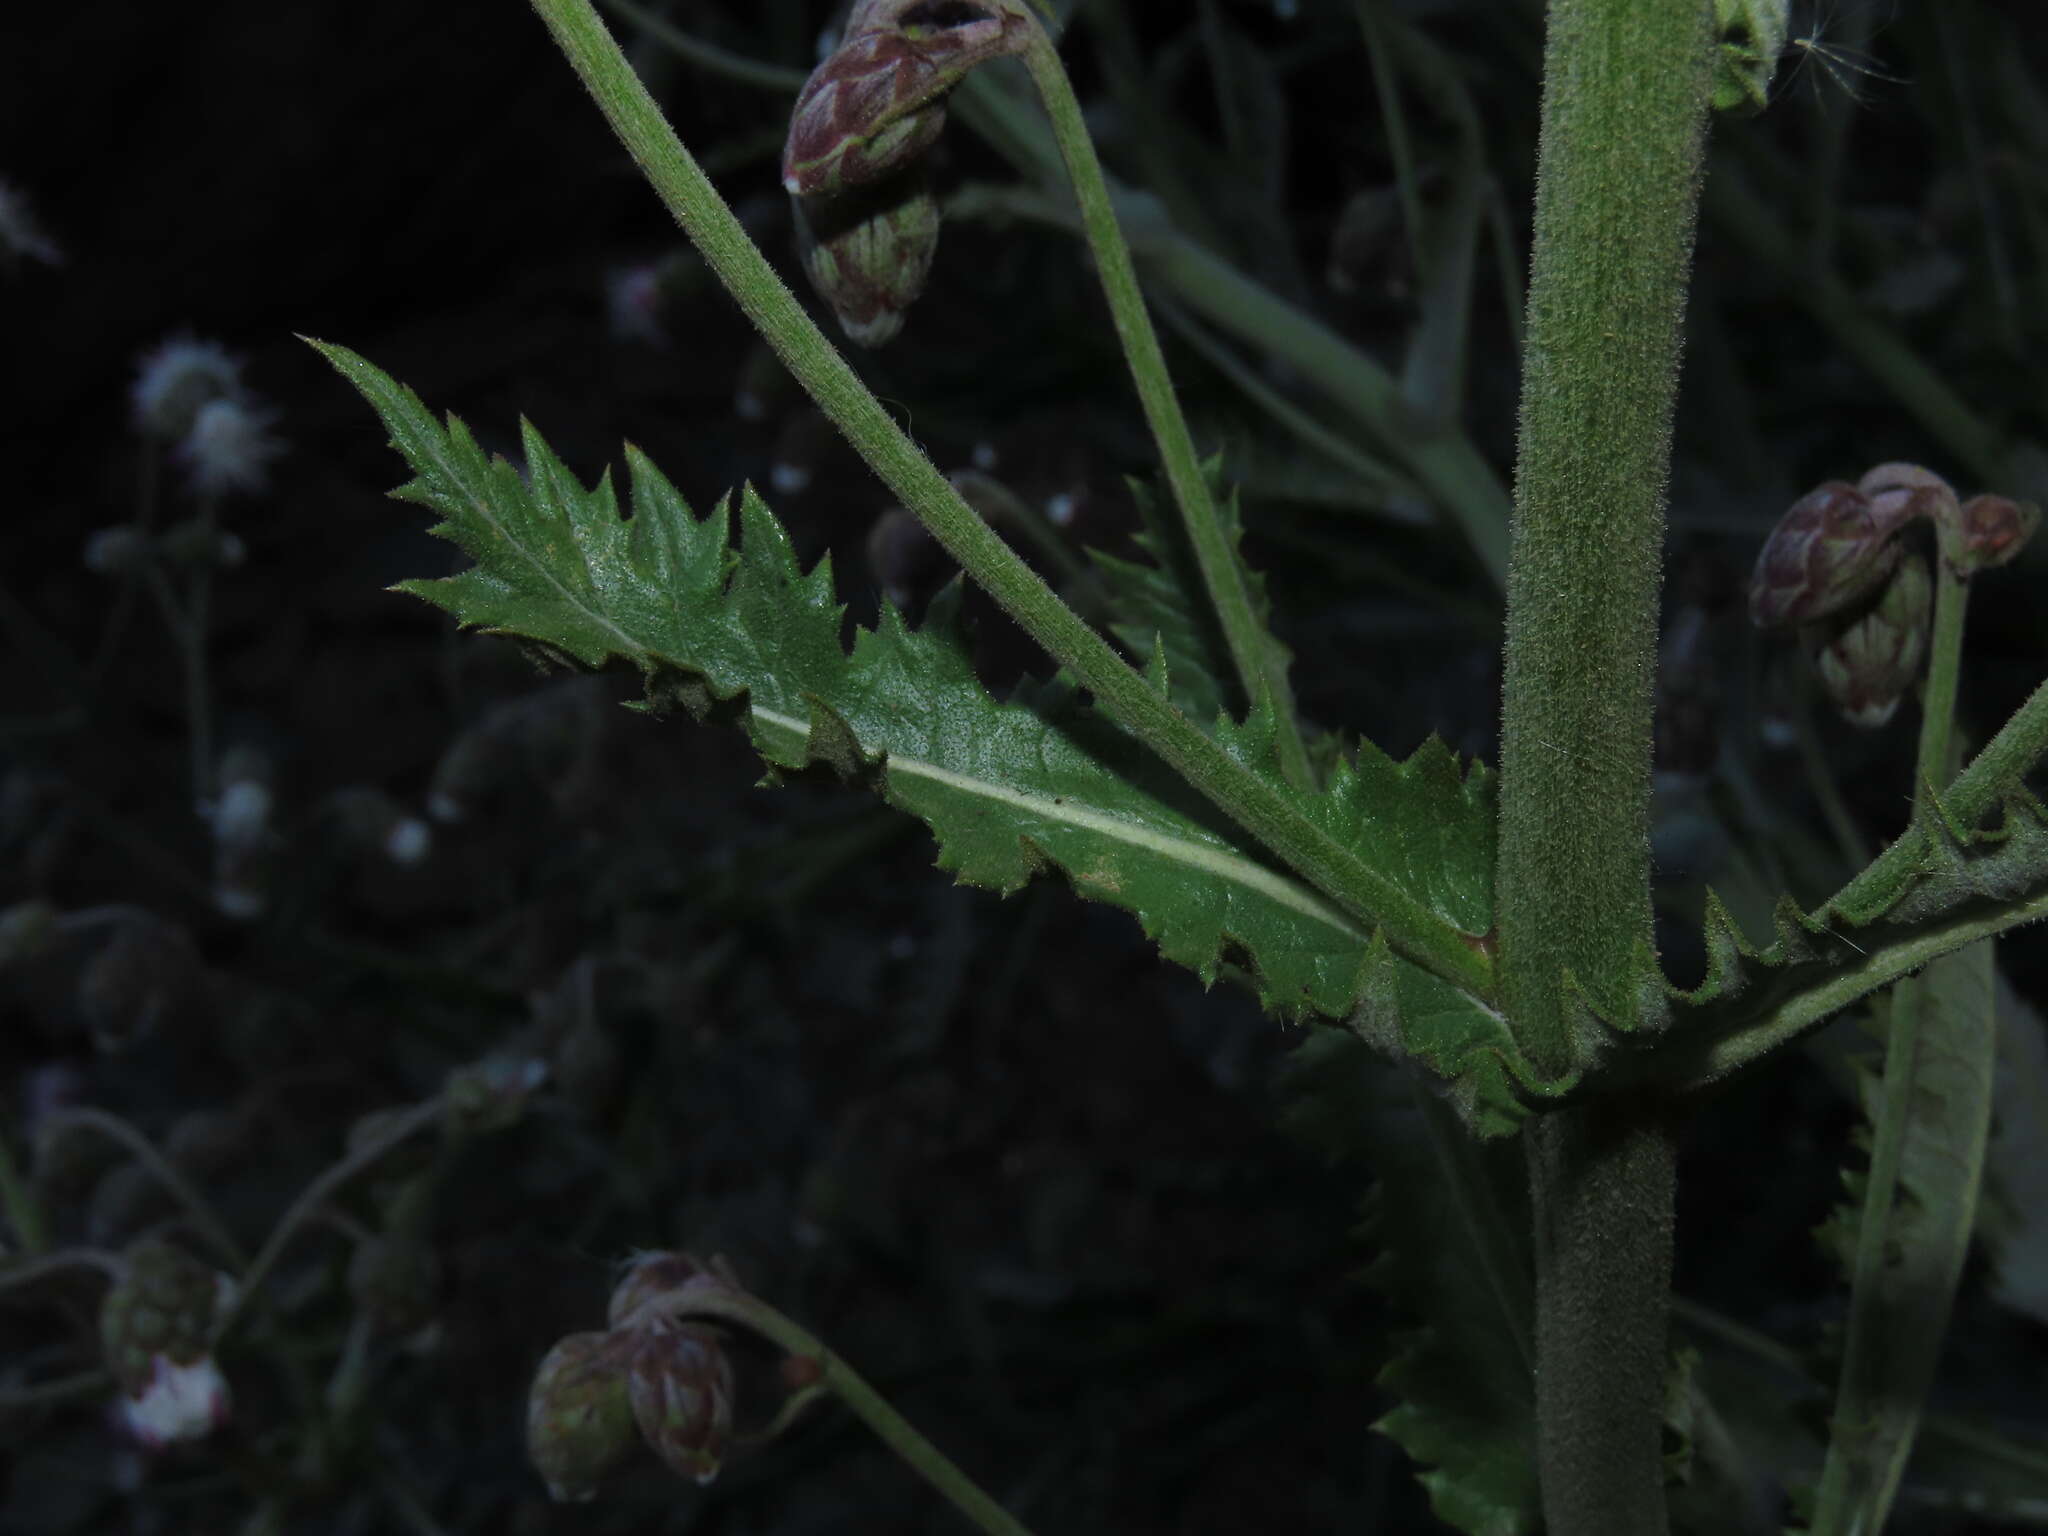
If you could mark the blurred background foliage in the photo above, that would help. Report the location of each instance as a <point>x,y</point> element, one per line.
<point>1077,1217</point>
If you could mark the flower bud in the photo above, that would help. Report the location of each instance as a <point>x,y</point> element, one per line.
<point>579,1417</point>
<point>155,1329</point>
<point>491,1094</point>
<point>649,1275</point>
<point>680,1386</point>
<point>877,101</point>
<point>1868,660</point>
<point>868,253</point>
<point>393,1278</point>
<point>1833,547</point>
<point>1993,529</point>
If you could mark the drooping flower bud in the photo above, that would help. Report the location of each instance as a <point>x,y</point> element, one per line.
<point>1868,660</point>
<point>1833,547</point>
<point>680,1385</point>
<point>869,251</point>
<point>156,1328</point>
<point>1993,529</point>
<point>878,100</point>
<point>579,1418</point>
<point>491,1094</point>
<point>649,1275</point>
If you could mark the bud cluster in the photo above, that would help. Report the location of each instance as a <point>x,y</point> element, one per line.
<point>156,1328</point>
<point>650,1379</point>
<point>854,157</point>
<point>1839,568</point>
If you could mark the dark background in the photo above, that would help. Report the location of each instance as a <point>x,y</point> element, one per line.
<point>1030,1183</point>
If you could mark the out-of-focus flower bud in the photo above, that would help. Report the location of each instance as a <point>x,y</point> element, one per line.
<point>394,1278</point>
<point>679,1382</point>
<point>155,1327</point>
<point>121,550</point>
<point>177,379</point>
<point>1833,547</point>
<point>878,100</point>
<point>579,1414</point>
<point>229,447</point>
<point>196,542</point>
<point>146,977</point>
<point>1869,659</point>
<point>906,562</point>
<point>1995,528</point>
<point>26,929</point>
<point>764,387</point>
<point>656,1273</point>
<point>206,1142</point>
<point>869,251</point>
<point>491,1094</point>
<point>22,238</point>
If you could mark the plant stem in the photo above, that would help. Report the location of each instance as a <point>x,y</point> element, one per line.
<point>1625,87</point>
<point>1261,665</point>
<point>1266,809</point>
<point>316,1194</point>
<point>1602,1179</point>
<point>24,1211</point>
<point>698,1299</point>
<point>709,57</point>
<point>1440,457</point>
<point>115,1129</point>
<point>38,1266</point>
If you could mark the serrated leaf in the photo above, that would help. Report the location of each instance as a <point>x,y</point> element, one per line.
<point>1448,1224</point>
<point>1160,602</point>
<point>1908,1228</point>
<point>1008,788</point>
<point>1943,886</point>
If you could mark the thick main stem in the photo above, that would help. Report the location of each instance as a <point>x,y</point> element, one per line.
<point>1624,126</point>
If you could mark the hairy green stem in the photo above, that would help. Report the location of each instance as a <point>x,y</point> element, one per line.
<point>1625,87</point>
<point>1602,1179</point>
<point>698,1299</point>
<point>1261,666</point>
<point>1266,809</point>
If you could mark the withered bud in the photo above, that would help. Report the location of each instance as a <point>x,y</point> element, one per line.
<point>579,1416</point>
<point>869,251</point>
<point>680,1385</point>
<point>1995,528</point>
<point>1833,547</point>
<point>1868,660</point>
<point>877,101</point>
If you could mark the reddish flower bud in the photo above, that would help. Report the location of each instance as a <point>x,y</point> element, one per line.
<point>649,1275</point>
<point>579,1417</point>
<point>1994,529</point>
<point>878,100</point>
<point>1868,660</point>
<point>680,1385</point>
<point>1833,547</point>
<point>868,253</point>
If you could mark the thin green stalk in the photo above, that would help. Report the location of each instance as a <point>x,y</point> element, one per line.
<point>1261,666</point>
<point>869,1406</point>
<point>402,1127</point>
<point>1935,1107</point>
<point>40,1266</point>
<point>1625,86</point>
<point>1445,462</point>
<point>202,1216</point>
<point>1395,124</point>
<point>1269,811</point>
